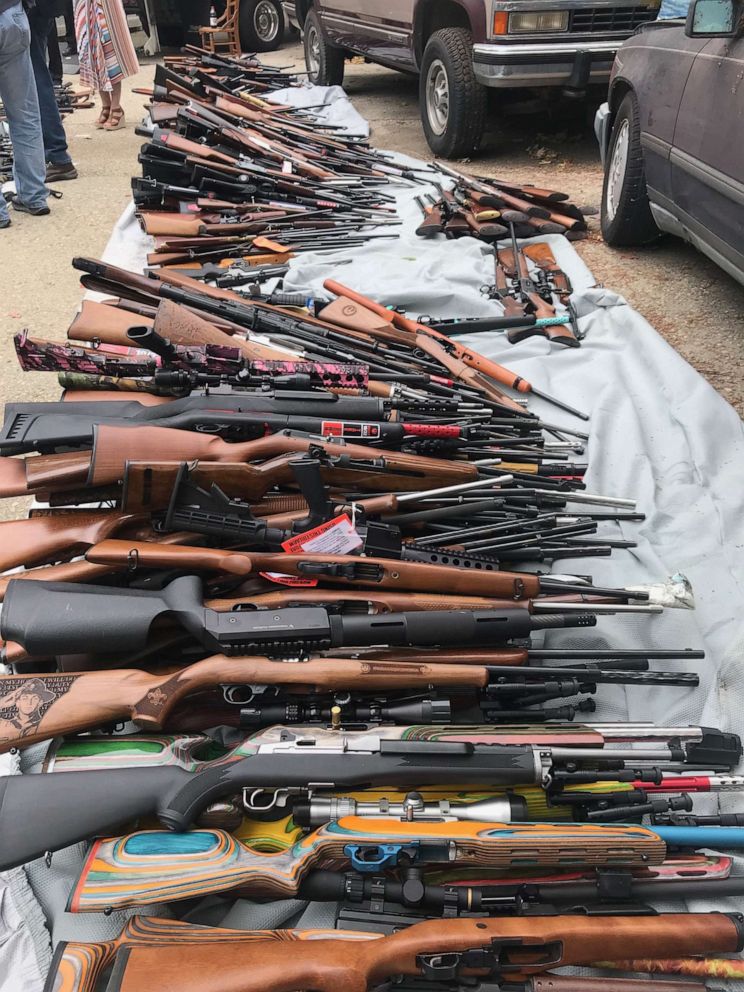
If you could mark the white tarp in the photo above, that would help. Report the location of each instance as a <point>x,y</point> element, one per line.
<point>659,434</point>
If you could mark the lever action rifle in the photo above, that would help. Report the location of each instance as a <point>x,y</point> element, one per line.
<point>82,804</point>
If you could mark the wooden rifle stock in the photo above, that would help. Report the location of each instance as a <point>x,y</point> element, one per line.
<point>452,348</point>
<point>162,224</point>
<point>114,447</point>
<point>377,601</point>
<point>49,536</point>
<point>78,967</point>
<point>106,323</point>
<point>74,571</point>
<point>73,703</point>
<point>182,326</point>
<point>516,947</point>
<point>135,878</point>
<point>559,333</point>
<point>543,257</point>
<point>381,573</point>
<point>71,395</point>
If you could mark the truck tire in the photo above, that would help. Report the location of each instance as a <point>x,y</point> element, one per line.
<point>261,25</point>
<point>451,100</point>
<point>324,62</point>
<point>626,217</point>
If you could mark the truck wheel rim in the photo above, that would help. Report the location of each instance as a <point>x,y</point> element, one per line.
<point>616,170</point>
<point>313,52</point>
<point>266,21</point>
<point>437,97</point>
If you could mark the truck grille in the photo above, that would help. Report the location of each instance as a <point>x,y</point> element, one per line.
<point>604,20</point>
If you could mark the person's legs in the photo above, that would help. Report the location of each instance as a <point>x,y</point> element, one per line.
<point>55,142</point>
<point>70,29</point>
<point>116,112</point>
<point>54,55</point>
<point>105,109</point>
<point>18,93</point>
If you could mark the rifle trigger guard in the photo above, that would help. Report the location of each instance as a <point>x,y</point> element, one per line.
<point>380,856</point>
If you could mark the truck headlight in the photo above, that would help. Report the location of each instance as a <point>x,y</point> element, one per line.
<point>538,21</point>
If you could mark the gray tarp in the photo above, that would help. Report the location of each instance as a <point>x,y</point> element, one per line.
<point>659,434</point>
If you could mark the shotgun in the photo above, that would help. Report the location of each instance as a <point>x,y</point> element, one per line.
<point>65,618</point>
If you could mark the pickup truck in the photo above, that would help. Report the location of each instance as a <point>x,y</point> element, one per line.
<point>460,48</point>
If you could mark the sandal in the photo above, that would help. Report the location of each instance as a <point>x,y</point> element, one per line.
<point>116,120</point>
<point>103,117</point>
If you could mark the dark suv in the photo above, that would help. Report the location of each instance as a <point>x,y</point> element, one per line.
<point>460,47</point>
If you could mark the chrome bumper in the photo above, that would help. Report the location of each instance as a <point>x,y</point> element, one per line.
<point>541,64</point>
<point>602,130</point>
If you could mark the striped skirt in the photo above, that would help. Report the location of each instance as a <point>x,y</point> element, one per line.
<point>105,48</point>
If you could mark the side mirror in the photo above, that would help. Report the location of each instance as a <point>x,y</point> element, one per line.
<point>711,19</point>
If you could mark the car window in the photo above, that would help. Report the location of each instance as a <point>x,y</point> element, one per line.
<point>673,8</point>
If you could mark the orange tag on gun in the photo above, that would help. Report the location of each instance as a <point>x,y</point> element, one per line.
<point>334,537</point>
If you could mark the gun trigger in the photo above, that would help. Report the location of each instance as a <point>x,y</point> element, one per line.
<point>369,859</point>
<point>275,798</point>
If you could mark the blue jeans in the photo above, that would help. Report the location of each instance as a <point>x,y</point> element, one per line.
<point>55,142</point>
<point>18,92</point>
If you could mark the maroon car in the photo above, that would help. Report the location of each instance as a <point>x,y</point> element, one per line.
<point>672,135</point>
<point>461,48</point>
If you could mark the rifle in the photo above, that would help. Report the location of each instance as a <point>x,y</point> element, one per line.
<point>78,805</point>
<point>554,798</point>
<point>114,446</point>
<point>237,426</point>
<point>438,344</point>
<point>211,364</point>
<point>119,620</point>
<point>515,265</point>
<point>556,280</point>
<point>381,573</point>
<point>154,866</point>
<point>77,967</point>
